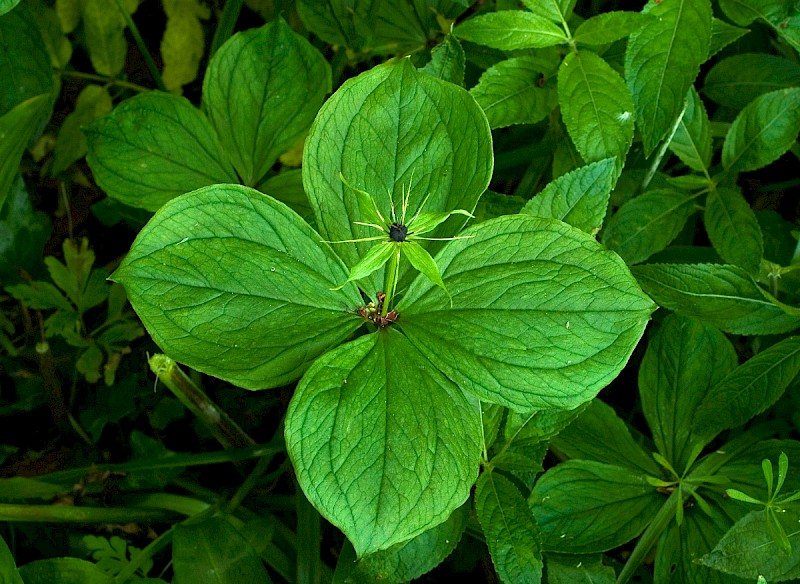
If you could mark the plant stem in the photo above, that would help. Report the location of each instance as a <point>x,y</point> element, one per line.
<point>148,58</point>
<point>663,150</point>
<point>392,272</point>
<point>106,80</point>
<point>65,514</point>
<point>230,14</point>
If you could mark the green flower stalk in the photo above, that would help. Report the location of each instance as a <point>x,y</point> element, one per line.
<point>398,238</point>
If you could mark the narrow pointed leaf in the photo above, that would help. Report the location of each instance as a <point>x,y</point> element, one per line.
<point>154,147</point>
<point>684,359</point>
<point>235,284</point>
<point>430,130</point>
<point>723,34</point>
<point>721,295</point>
<point>261,92</point>
<point>584,507</point>
<point>662,61</point>
<point>648,224</point>
<point>749,390</point>
<point>733,229</point>
<point>510,530</point>
<point>579,198</point>
<point>427,222</point>
<point>762,131</point>
<point>423,262</point>
<point>596,106</point>
<point>375,405</point>
<point>509,30</point>
<point>447,61</point>
<point>521,332</point>
<point>692,140</point>
<point>738,80</point>
<point>8,570</point>
<point>509,93</point>
<point>373,260</point>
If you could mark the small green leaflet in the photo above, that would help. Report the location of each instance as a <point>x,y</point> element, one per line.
<point>510,30</point>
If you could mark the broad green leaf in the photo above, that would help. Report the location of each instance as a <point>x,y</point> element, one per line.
<point>733,229</point>
<point>340,22</point>
<point>744,12</point>
<point>692,139</point>
<point>63,571</point>
<point>526,436</point>
<point>261,92</point>
<point>510,530</point>
<point>23,234</point>
<point>562,569</point>
<point>235,284</point>
<point>447,61</point>
<point>24,64</point>
<point>738,80</point>
<point>596,106</point>
<point>509,93</point>
<point>661,63</point>
<point>684,359</point>
<point>723,34</point>
<point>749,389</point>
<point>509,30</point>
<point>361,413</point>
<point>214,552</point>
<point>648,223</point>
<point>183,43</point>
<point>408,26</point>
<point>93,101</point>
<point>8,569</point>
<point>721,295</point>
<point>104,28</point>
<point>745,469</point>
<point>58,46</point>
<point>682,545</point>
<point>579,198</point>
<point>409,560</point>
<point>583,506</point>
<point>555,10</point>
<point>542,316</point>
<point>287,187</point>
<point>749,551</point>
<point>580,440</point>
<point>491,416</point>
<point>17,127</point>
<point>154,147</point>
<point>417,127</point>
<point>608,27</point>
<point>5,7</point>
<point>762,131</point>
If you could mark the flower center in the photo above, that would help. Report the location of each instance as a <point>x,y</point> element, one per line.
<point>398,232</point>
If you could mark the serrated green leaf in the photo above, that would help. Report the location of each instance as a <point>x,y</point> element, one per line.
<point>24,63</point>
<point>214,552</point>
<point>555,10</point>
<point>579,198</point>
<point>509,93</point>
<point>583,506</point>
<point>684,359</point>
<point>409,560</point>
<point>748,390</point>
<point>648,224</point>
<point>744,12</point>
<point>520,333</point>
<point>154,147</point>
<point>738,80</point>
<point>596,106</point>
<point>608,27</point>
<point>748,550</point>
<point>723,34</point>
<point>510,30</point>
<point>661,63</point>
<point>374,404</point>
<point>23,234</point>
<point>762,131</point>
<point>721,295</point>
<point>447,61</point>
<point>261,92</point>
<point>418,127</point>
<point>69,14</point>
<point>733,229</point>
<point>692,139</point>
<point>104,26</point>
<point>579,440</point>
<point>563,569</point>
<point>40,296</point>
<point>58,46</point>
<point>510,530</point>
<point>63,571</point>
<point>340,22</point>
<point>235,284</point>
<point>93,101</point>
<point>183,43</point>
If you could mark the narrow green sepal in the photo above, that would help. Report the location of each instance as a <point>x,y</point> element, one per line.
<point>425,222</point>
<point>422,261</point>
<point>372,261</point>
<point>367,207</point>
